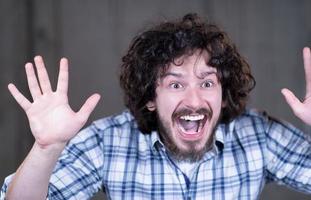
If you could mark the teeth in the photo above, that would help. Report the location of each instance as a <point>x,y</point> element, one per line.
<point>192,117</point>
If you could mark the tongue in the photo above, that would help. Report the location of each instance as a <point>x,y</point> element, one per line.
<point>189,125</point>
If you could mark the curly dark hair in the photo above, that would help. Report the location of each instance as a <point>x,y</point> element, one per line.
<point>153,50</point>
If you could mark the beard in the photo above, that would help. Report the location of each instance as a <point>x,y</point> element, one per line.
<point>193,152</point>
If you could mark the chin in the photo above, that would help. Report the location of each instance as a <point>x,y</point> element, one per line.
<point>186,150</point>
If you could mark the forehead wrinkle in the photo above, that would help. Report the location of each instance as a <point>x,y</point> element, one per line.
<point>210,71</point>
<point>174,74</point>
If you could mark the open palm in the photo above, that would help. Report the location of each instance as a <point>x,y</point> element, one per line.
<point>302,109</point>
<point>51,119</point>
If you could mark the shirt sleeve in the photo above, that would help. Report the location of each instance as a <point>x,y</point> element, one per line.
<point>288,156</point>
<point>78,172</point>
<point>4,188</point>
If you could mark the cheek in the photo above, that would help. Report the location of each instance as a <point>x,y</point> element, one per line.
<point>216,103</point>
<point>219,107</point>
<point>166,104</point>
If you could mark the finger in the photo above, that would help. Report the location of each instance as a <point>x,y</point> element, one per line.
<point>42,75</point>
<point>292,101</point>
<point>62,84</point>
<point>21,100</point>
<point>32,81</point>
<point>307,66</point>
<point>88,107</point>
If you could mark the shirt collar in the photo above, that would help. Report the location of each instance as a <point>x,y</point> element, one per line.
<point>219,138</point>
<point>220,134</point>
<point>155,140</point>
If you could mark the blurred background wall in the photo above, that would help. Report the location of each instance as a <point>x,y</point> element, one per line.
<point>94,34</point>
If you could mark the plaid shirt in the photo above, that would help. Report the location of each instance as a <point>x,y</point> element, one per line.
<point>114,156</point>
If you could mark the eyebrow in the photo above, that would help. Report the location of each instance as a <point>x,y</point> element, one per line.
<point>205,74</point>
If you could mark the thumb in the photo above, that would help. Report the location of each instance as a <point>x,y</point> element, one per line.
<point>88,107</point>
<point>292,100</point>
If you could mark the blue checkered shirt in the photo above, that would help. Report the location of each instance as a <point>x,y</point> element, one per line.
<point>113,155</point>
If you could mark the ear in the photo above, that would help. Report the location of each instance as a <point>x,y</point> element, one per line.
<point>223,104</point>
<point>151,106</point>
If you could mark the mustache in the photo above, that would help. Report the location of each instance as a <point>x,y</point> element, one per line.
<point>190,111</point>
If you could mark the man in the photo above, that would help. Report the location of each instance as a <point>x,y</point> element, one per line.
<point>187,134</point>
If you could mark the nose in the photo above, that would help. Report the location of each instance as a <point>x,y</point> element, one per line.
<point>193,98</point>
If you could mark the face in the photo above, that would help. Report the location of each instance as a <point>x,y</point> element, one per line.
<point>188,105</point>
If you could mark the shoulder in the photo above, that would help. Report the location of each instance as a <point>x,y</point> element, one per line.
<point>125,119</point>
<point>108,128</point>
<point>245,138</point>
<point>261,124</point>
<point>252,119</point>
<point>254,114</point>
<point>250,127</point>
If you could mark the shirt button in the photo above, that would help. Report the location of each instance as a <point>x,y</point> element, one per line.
<point>280,174</point>
<point>274,160</point>
<point>304,180</point>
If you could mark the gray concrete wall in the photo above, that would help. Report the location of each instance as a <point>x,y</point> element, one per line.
<point>94,34</point>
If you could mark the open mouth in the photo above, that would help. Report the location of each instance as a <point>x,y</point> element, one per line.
<point>191,125</point>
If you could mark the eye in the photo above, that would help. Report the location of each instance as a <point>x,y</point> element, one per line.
<point>175,85</point>
<point>207,84</point>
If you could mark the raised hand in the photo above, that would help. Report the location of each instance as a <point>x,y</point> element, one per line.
<point>302,109</point>
<point>51,119</point>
